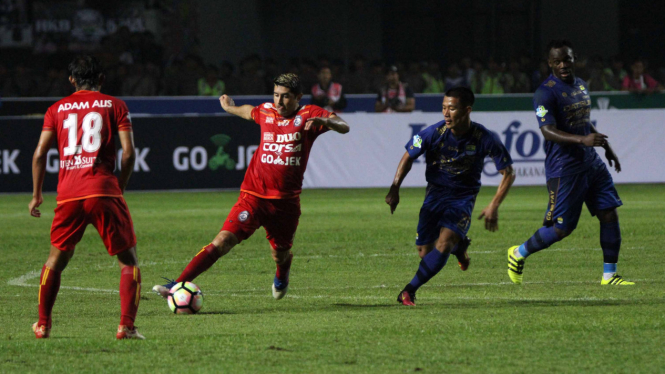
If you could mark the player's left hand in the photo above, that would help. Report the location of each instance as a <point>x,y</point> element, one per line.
<point>612,158</point>
<point>34,203</point>
<point>318,121</point>
<point>491,215</point>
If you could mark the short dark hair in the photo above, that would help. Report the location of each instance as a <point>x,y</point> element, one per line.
<point>559,43</point>
<point>463,94</point>
<point>290,81</point>
<point>86,70</point>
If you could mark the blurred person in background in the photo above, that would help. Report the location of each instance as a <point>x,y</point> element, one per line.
<point>227,75</point>
<point>615,73</point>
<point>188,76</point>
<point>139,82</point>
<point>492,80</point>
<point>211,85</point>
<point>432,78</point>
<point>55,84</point>
<point>598,79</point>
<point>21,83</point>
<point>394,96</point>
<point>358,79</point>
<point>516,81</point>
<point>638,81</point>
<point>539,75</point>
<point>454,77</point>
<point>328,94</point>
<point>414,77</point>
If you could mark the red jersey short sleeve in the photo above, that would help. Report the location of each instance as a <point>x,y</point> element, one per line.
<point>277,168</point>
<point>86,123</point>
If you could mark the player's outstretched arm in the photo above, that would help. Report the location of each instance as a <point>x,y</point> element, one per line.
<point>612,157</point>
<point>491,212</point>
<point>229,106</point>
<point>128,158</point>
<point>333,122</point>
<point>38,170</point>
<point>403,169</point>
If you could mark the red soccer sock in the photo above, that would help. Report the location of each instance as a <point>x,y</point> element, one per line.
<point>200,263</point>
<point>49,286</point>
<point>130,294</point>
<point>282,272</point>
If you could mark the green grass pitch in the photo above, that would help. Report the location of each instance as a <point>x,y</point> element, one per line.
<point>351,259</point>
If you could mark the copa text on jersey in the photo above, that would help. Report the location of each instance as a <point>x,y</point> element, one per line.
<point>85,105</point>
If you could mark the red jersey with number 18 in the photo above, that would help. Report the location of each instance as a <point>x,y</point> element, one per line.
<point>278,165</point>
<point>85,124</point>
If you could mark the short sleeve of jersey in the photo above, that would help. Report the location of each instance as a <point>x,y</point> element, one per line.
<point>49,121</point>
<point>545,105</point>
<point>317,111</point>
<point>124,119</point>
<point>420,143</point>
<point>498,152</point>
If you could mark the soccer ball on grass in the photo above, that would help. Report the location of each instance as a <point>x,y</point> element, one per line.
<point>185,298</point>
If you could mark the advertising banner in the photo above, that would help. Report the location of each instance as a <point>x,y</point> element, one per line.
<point>369,154</point>
<point>213,152</point>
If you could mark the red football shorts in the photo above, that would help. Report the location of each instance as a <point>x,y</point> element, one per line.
<point>109,215</point>
<point>278,216</point>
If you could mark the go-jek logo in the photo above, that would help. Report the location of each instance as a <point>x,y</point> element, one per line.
<point>197,158</point>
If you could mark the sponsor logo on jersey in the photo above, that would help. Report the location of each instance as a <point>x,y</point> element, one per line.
<point>285,138</point>
<point>78,162</point>
<point>284,122</point>
<point>541,111</point>
<point>282,148</point>
<point>267,106</point>
<point>298,121</point>
<point>550,83</point>
<point>559,220</point>
<point>417,141</point>
<point>470,149</point>
<point>268,136</point>
<point>243,216</point>
<point>270,119</point>
<point>288,161</point>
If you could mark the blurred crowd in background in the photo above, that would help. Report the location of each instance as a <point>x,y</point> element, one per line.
<point>135,65</point>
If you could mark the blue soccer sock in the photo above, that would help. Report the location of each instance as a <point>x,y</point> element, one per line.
<point>430,265</point>
<point>541,239</point>
<point>610,241</point>
<point>609,270</point>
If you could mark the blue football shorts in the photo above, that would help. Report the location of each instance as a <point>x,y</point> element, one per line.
<point>593,187</point>
<point>444,209</point>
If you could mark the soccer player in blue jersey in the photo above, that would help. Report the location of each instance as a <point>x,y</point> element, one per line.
<point>455,151</point>
<point>574,171</point>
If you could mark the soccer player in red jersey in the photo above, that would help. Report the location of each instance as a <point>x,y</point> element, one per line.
<point>270,192</point>
<point>85,124</point>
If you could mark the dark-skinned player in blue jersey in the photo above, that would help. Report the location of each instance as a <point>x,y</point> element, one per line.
<point>575,173</point>
<point>455,151</point>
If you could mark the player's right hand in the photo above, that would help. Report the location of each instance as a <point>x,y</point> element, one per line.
<point>34,203</point>
<point>392,198</point>
<point>595,140</point>
<point>226,101</point>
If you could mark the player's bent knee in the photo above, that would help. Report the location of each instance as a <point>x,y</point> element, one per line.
<point>58,259</point>
<point>562,233</point>
<point>128,257</point>
<point>224,241</point>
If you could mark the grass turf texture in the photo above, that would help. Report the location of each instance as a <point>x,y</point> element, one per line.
<point>351,259</point>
